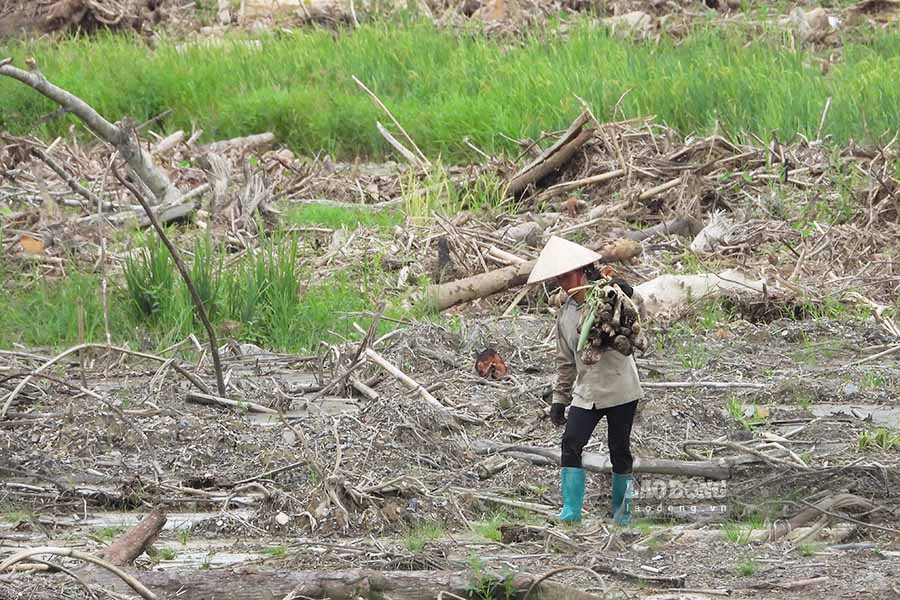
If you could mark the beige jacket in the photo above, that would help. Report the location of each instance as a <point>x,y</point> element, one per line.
<point>611,381</point>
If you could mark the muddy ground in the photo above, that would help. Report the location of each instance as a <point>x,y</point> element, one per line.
<point>413,496</point>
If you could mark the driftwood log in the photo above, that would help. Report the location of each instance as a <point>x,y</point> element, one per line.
<point>117,555</point>
<point>600,463</point>
<point>445,295</point>
<point>254,584</point>
<point>210,400</point>
<point>684,225</point>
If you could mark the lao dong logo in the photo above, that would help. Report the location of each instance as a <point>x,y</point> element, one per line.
<point>671,489</point>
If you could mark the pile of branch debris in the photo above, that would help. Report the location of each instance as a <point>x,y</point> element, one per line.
<point>24,17</point>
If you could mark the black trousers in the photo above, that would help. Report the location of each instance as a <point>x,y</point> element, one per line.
<point>581,424</point>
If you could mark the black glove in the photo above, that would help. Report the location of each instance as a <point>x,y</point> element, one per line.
<point>623,285</point>
<point>558,414</point>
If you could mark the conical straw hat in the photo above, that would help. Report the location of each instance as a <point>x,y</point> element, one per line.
<point>560,256</point>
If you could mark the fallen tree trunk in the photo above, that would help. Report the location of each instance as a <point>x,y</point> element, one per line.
<point>252,584</point>
<point>551,164</point>
<point>830,535</point>
<point>445,295</point>
<point>132,544</point>
<point>600,463</point>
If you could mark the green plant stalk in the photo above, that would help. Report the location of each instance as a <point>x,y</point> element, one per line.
<point>586,328</point>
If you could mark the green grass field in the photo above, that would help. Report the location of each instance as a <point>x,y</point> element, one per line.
<point>444,86</point>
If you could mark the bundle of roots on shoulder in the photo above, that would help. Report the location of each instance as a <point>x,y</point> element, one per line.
<point>611,322</point>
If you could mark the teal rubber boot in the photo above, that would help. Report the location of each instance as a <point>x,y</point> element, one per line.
<point>572,487</point>
<point>622,486</point>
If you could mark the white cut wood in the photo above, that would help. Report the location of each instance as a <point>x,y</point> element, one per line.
<point>655,191</point>
<point>567,186</point>
<point>168,142</point>
<point>504,256</point>
<point>256,141</point>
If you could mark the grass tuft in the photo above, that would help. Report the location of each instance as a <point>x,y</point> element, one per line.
<point>265,299</point>
<point>747,567</point>
<point>336,217</point>
<point>880,438</point>
<point>489,529</point>
<point>275,551</point>
<point>422,534</point>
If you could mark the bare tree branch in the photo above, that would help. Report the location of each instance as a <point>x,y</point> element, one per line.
<point>198,302</point>
<point>120,137</point>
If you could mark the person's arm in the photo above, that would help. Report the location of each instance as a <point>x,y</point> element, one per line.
<point>565,369</point>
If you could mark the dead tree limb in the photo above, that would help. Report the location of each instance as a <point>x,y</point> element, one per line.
<point>677,581</point>
<point>70,181</point>
<point>600,463</point>
<point>551,159</point>
<point>258,141</point>
<point>125,140</point>
<point>568,186</point>
<point>570,134</point>
<point>176,256</point>
<point>399,147</point>
<point>445,414</point>
<point>381,105</point>
<point>685,225</point>
<point>119,575</point>
<point>210,400</point>
<point>120,137</point>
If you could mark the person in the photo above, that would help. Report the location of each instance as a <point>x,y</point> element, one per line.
<point>608,388</point>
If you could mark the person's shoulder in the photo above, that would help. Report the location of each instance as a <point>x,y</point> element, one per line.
<point>568,306</point>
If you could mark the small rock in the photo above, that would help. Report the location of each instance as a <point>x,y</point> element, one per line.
<point>851,390</point>
<point>529,232</point>
<point>636,23</point>
<point>282,519</point>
